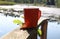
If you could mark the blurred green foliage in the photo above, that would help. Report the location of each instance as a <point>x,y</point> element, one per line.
<point>6,3</point>
<point>35,2</point>
<point>58,3</point>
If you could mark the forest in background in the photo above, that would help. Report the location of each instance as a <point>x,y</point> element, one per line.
<point>36,2</point>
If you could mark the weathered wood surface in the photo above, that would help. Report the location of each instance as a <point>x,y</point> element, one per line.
<point>21,34</point>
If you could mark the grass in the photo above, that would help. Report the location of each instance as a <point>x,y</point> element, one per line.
<point>6,3</point>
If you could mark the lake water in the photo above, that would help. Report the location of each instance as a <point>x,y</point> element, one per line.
<point>6,25</point>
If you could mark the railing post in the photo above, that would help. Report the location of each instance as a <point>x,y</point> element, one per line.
<point>44,29</point>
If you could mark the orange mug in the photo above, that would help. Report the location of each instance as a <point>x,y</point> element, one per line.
<point>31,16</point>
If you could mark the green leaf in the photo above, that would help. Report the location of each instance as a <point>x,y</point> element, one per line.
<point>39,32</point>
<point>16,21</point>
